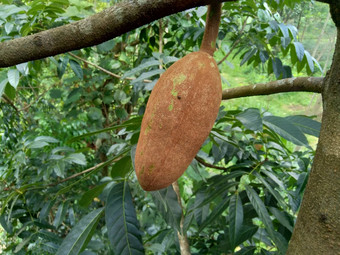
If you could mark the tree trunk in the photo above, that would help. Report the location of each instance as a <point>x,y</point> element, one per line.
<point>317,230</point>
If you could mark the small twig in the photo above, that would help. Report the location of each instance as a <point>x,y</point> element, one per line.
<point>104,70</point>
<point>235,43</point>
<point>210,165</point>
<point>77,174</point>
<point>36,100</point>
<point>9,101</point>
<point>182,237</point>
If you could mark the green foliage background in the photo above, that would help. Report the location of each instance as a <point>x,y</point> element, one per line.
<point>68,134</point>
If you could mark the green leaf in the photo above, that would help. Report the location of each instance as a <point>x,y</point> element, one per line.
<point>131,124</point>
<point>23,243</point>
<point>121,113</point>
<point>287,72</point>
<point>299,50</point>
<point>94,113</point>
<point>76,158</point>
<point>277,67</point>
<point>248,55</point>
<point>60,215</point>
<point>306,124</point>
<point>7,226</point>
<point>37,144</point>
<point>318,64</point>
<point>286,129</point>
<point>49,247</point>
<point>284,30</point>
<point>13,77</point>
<point>61,68</point>
<point>200,212</point>
<point>251,119</point>
<point>246,232</point>
<point>121,167</point>
<point>89,195</point>
<point>106,46</point>
<point>59,167</point>
<point>47,139</point>
<point>272,190</point>
<point>167,203</point>
<point>55,93</point>
<point>285,42</point>
<point>263,214</point>
<point>216,212</point>
<point>147,75</point>
<point>46,209</point>
<point>121,221</point>
<point>284,218</point>
<point>77,240</point>
<point>23,68</point>
<point>310,61</point>
<point>49,236</point>
<point>77,69</point>
<point>270,66</point>
<point>144,65</point>
<point>301,65</point>
<point>3,84</point>
<point>263,56</point>
<point>235,220</point>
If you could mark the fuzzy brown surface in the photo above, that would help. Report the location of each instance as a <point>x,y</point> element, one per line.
<point>179,115</point>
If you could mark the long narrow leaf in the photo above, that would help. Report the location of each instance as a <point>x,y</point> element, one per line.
<point>80,235</point>
<point>235,220</point>
<point>217,211</point>
<point>263,214</point>
<point>305,124</point>
<point>286,129</point>
<point>121,221</point>
<point>133,122</point>
<point>167,203</point>
<point>201,212</point>
<point>271,189</point>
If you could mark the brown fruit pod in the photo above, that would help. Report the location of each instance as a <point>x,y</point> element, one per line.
<point>180,113</point>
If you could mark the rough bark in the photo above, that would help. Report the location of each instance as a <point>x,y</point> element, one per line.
<point>317,229</point>
<point>103,26</point>
<point>307,84</point>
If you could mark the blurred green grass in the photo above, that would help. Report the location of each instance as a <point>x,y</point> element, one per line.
<point>282,104</point>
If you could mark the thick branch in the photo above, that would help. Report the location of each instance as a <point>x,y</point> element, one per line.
<point>96,29</point>
<point>307,84</point>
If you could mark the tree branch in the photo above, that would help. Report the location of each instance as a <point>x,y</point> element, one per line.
<point>98,28</point>
<point>104,70</point>
<point>307,84</point>
<point>210,165</point>
<point>9,101</point>
<point>77,174</point>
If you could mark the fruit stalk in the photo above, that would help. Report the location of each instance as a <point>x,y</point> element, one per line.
<point>211,28</point>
